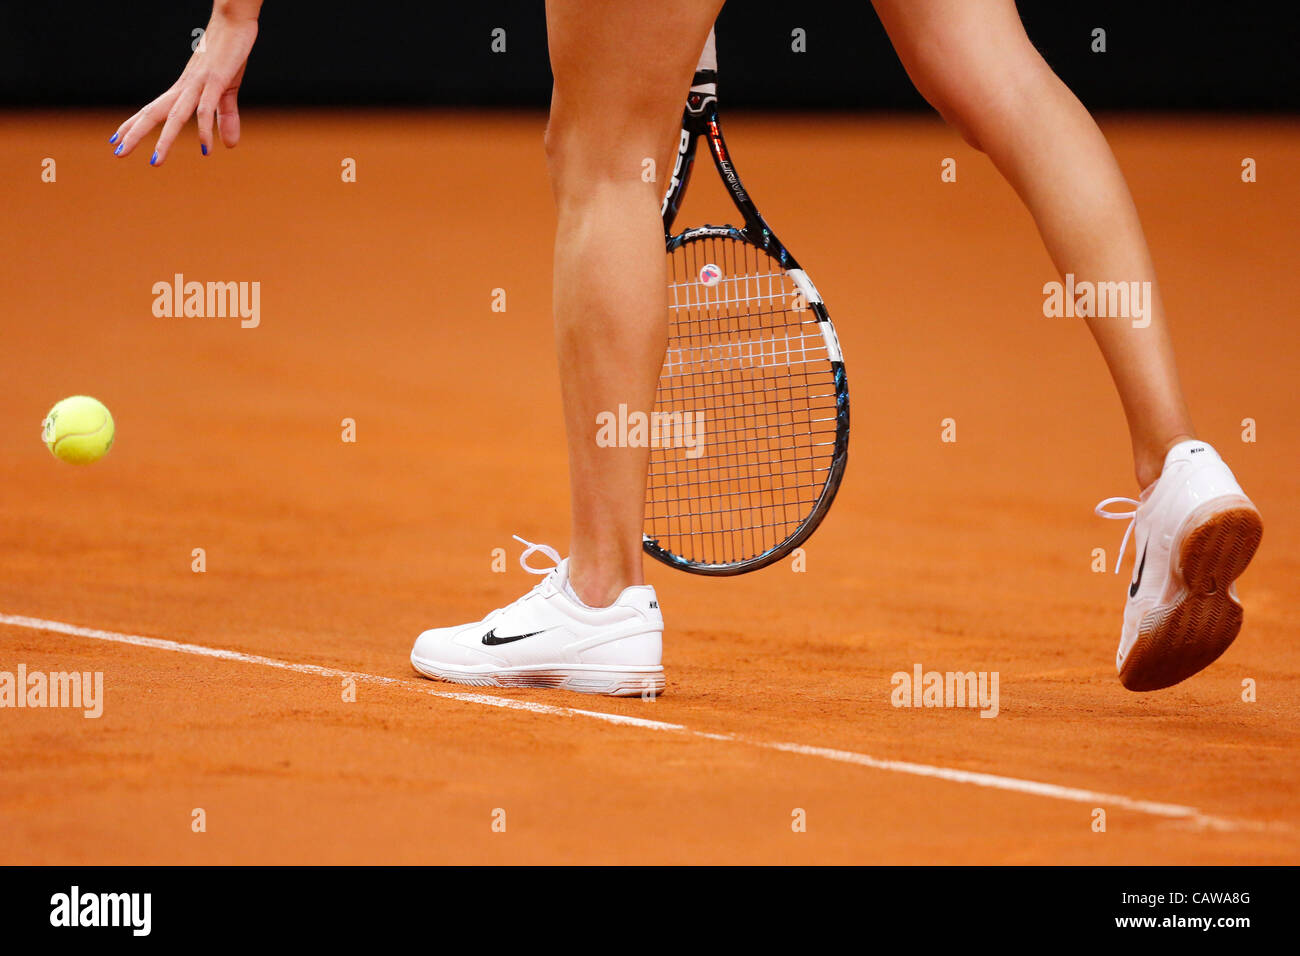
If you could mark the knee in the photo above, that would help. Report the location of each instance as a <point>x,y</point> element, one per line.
<point>555,142</point>
<point>560,131</point>
<point>594,147</point>
<point>551,144</point>
<point>959,119</point>
<point>969,88</point>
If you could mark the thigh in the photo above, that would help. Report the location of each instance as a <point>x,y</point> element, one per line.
<point>915,25</point>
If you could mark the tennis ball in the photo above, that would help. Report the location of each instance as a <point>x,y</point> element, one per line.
<point>78,430</point>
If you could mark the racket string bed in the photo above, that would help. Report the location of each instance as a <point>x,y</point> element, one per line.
<point>753,364</point>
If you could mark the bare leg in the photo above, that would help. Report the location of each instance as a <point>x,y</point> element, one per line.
<point>622,70</point>
<point>972,60</point>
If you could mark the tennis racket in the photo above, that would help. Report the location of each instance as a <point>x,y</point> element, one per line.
<point>753,375</point>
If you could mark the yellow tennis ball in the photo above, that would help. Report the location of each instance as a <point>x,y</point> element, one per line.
<point>78,429</point>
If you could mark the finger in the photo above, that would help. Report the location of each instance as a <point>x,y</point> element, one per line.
<point>177,117</point>
<point>148,118</point>
<point>116,138</point>
<point>228,117</point>
<point>206,116</point>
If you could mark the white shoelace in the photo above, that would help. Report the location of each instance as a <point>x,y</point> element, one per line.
<point>546,549</point>
<point>541,586</point>
<point>1120,516</point>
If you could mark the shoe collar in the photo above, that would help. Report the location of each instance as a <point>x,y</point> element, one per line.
<point>1190,450</point>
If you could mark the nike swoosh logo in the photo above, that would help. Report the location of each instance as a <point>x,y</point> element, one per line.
<point>1133,588</point>
<point>490,638</point>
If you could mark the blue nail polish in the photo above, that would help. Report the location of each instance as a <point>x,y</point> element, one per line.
<point>112,139</point>
<point>153,160</point>
<point>118,151</point>
<point>203,146</point>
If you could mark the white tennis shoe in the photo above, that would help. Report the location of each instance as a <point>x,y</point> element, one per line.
<point>549,639</point>
<point>1194,531</point>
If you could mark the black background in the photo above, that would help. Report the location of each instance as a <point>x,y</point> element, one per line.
<point>334,909</point>
<point>1162,54</point>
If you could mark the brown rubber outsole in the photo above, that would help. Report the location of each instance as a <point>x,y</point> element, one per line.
<point>1186,635</point>
<point>645,682</point>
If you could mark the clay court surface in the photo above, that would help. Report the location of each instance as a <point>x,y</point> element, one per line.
<point>376,306</point>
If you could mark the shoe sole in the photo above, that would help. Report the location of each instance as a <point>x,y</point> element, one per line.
<point>1189,633</point>
<point>593,679</point>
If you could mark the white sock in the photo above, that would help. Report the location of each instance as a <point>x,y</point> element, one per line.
<point>573,596</point>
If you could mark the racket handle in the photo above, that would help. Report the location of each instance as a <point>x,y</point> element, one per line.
<point>709,58</point>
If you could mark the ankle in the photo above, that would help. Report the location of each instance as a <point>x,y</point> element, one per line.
<point>599,586</point>
<point>1149,462</point>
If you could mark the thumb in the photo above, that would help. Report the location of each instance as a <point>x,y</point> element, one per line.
<point>228,113</point>
<point>228,118</point>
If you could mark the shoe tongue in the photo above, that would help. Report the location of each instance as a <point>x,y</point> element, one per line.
<point>1191,450</point>
<point>560,575</point>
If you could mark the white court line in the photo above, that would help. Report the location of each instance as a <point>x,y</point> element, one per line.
<point>995,781</point>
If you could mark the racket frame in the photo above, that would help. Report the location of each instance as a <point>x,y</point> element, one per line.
<point>700,122</point>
